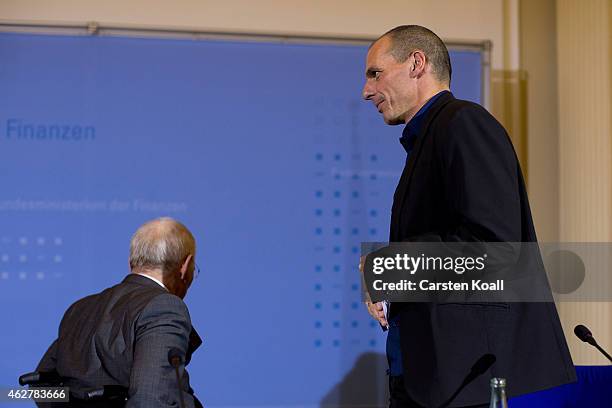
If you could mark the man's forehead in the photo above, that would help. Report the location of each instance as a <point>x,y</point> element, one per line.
<point>378,51</point>
<point>380,46</point>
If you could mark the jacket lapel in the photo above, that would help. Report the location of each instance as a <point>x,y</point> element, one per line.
<point>401,192</point>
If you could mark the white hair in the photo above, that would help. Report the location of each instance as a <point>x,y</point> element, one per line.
<point>161,243</point>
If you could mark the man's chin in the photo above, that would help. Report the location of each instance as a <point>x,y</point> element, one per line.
<point>392,121</point>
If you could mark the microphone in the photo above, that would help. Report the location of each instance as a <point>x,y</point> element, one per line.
<point>479,368</point>
<point>584,334</point>
<point>175,358</point>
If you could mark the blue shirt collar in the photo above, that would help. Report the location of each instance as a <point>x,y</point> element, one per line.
<point>413,127</point>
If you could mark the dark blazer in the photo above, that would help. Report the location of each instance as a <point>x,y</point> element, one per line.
<point>462,182</point>
<point>121,336</point>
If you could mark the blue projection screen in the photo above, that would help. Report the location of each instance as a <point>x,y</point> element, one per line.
<point>264,150</point>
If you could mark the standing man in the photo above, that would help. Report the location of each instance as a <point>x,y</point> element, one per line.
<point>122,336</point>
<point>461,182</point>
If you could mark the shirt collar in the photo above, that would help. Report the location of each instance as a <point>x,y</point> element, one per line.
<point>153,279</point>
<point>413,127</point>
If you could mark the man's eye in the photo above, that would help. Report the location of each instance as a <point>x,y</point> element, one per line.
<point>377,75</point>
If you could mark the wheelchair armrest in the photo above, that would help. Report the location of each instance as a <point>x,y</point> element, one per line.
<point>107,393</point>
<point>40,378</point>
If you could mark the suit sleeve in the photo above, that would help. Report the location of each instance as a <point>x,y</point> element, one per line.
<point>481,183</point>
<point>163,324</point>
<point>48,362</point>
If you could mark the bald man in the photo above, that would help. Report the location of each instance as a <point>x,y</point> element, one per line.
<point>122,335</point>
<point>462,183</point>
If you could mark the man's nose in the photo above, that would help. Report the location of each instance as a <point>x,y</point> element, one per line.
<point>367,91</point>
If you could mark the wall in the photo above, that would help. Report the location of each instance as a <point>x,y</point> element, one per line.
<point>480,19</point>
<point>538,47</point>
<point>585,150</point>
<point>569,144</point>
<point>536,93</point>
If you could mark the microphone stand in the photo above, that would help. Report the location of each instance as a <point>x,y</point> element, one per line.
<point>603,351</point>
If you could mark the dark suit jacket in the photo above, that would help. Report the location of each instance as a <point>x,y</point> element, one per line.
<point>121,336</point>
<point>462,182</point>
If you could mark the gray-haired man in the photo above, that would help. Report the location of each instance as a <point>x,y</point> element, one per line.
<point>122,335</point>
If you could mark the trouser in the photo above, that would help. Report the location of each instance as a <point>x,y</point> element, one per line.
<point>399,398</point>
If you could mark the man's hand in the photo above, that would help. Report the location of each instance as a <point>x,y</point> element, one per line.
<point>374,309</point>
<point>377,312</point>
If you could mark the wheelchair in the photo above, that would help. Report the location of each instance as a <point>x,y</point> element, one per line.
<point>107,396</point>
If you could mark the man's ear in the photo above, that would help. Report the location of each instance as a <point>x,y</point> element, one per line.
<point>418,64</point>
<point>185,267</point>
